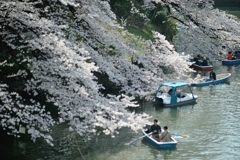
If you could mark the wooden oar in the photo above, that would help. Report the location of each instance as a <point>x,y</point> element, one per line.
<point>180,136</point>
<point>139,138</point>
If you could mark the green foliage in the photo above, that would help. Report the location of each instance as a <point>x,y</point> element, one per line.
<point>133,40</point>
<point>231,10</point>
<point>156,19</point>
<point>111,50</point>
<point>235,13</point>
<point>145,32</point>
<point>66,32</point>
<point>79,38</point>
<point>121,8</point>
<point>226,3</point>
<point>230,6</point>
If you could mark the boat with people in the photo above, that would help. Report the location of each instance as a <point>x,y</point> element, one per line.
<point>200,67</point>
<point>232,58</point>
<point>231,62</point>
<point>161,145</point>
<point>171,94</point>
<point>206,81</point>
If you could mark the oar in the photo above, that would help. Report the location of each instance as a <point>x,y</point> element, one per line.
<point>180,136</point>
<point>139,138</point>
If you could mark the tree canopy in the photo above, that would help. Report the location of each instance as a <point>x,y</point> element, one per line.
<point>204,29</point>
<point>53,53</point>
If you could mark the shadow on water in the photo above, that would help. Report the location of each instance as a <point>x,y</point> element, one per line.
<point>6,145</point>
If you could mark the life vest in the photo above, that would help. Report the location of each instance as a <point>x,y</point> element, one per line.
<point>229,56</point>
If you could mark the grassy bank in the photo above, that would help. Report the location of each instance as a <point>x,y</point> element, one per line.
<point>231,10</point>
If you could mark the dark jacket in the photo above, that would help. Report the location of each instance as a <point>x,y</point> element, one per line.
<point>156,129</point>
<point>212,75</point>
<point>205,63</point>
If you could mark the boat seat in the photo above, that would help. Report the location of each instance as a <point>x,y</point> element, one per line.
<point>180,95</point>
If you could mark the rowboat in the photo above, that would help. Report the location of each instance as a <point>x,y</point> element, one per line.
<point>231,62</point>
<point>171,94</point>
<point>205,81</point>
<point>201,68</point>
<point>160,145</point>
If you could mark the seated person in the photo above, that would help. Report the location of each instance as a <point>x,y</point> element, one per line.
<point>180,95</point>
<point>196,60</point>
<point>156,129</point>
<point>170,92</point>
<point>237,54</point>
<point>229,57</point>
<point>165,136</point>
<point>212,75</point>
<point>205,63</point>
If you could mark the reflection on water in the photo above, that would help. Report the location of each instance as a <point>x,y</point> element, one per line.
<point>212,125</point>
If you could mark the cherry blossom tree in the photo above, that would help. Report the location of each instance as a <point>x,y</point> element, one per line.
<point>52,52</point>
<point>204,30</point>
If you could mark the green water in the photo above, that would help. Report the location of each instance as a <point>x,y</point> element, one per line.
<point>212,125</point>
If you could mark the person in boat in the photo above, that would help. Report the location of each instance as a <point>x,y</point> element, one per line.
<point>165,136</point>
<point>170,92</point>
<point>205,62</point>
<point>229,57</point>
<point>196,59</point>
<point>212,75</point>
<point>237,54</point>
<point>156,129</point>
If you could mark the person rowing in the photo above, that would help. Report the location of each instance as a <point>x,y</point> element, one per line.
<point>156,129</point>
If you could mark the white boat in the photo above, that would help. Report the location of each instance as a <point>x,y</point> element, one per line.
<point>181,94</point>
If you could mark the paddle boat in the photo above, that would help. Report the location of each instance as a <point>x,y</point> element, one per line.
<point>205,81</point>
<point>170,94</point>
<point>161,145</point>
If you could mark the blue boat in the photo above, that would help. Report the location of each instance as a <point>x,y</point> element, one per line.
<point>161,145</point>
<point>171,94</point>
<point>205,81</point>
<point>231,62</point>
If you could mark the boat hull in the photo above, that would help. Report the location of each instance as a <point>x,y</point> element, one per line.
<point>161,145</point>
<point>192,101</point>
<point>201,68</point>
<point>231,62</point>
<point>212,82</point>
